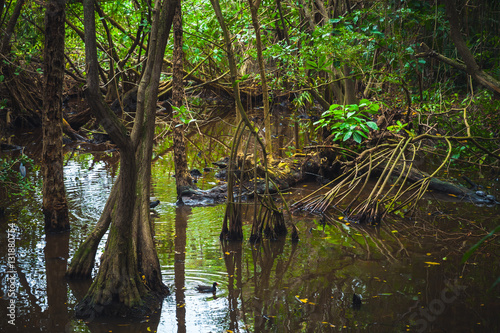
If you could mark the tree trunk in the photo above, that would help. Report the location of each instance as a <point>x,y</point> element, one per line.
<point>142,136</point>
<point>9,29</point>
<point>471,66</point>
<point>55,205</point>
<point>129,279</point>
<point>117,288</point>
<point>254,7</point>
<point>349,88</point>
<point>182,177</point>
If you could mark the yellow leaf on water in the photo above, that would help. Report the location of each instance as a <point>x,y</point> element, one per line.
<point>432,263</point>
<point>451,195</point>
<point>227,253</point>
<point>303,300</point>
<point>341,217</point>
<point>229,331</point>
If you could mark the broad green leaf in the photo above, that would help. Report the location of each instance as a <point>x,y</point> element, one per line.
<point>372,125</point>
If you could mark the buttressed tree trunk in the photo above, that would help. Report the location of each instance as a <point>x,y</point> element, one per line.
<point>182,178</point>
<point>128,282</point>
<point>55,205</point>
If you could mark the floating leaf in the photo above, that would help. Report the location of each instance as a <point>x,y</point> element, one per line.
<point>432,263</point>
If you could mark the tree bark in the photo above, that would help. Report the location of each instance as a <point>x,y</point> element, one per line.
<point>129,279</point>
<point>142,137</point>
<point>9,30</point>
<point>117,288</point>
<point>55,205</point>
<point>182,177</point>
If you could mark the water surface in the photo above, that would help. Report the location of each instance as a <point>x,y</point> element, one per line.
<point>407,272</point>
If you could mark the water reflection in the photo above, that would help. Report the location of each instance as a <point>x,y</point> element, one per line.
<point>56,258</point>
<point>181,216</point>
<point>401,269</point>
<point>233,253</point>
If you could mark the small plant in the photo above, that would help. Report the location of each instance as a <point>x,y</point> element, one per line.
<point>183,115</point>
<point>399,127</point>
<point>346,121</point>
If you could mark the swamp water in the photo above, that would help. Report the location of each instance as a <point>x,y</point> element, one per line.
<point>407,272</point>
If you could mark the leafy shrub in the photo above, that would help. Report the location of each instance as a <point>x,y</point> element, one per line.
<point>346,121</point>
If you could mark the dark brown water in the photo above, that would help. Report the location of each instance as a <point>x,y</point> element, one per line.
<point>407,272</point>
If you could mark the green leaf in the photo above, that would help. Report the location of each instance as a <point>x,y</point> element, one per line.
<point>361,133</point>
<point>364,102</point>
<point>372,125</point>
<point>333,107</point>
<point>357,137</point>
<point>347,136</point>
